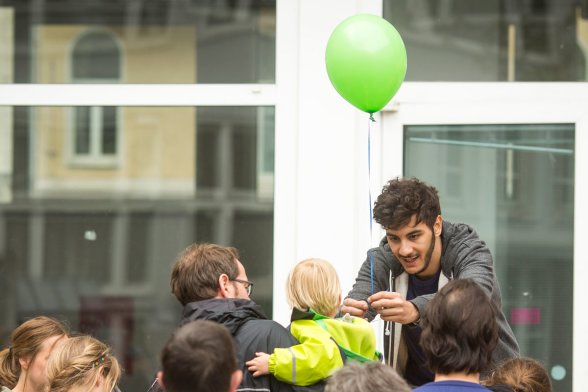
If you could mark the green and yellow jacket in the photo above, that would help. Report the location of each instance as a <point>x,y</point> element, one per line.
<point>325,345</point>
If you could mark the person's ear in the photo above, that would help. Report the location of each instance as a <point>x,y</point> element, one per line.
<point>223,286</point>
<point>438,226</point>
<point>236,379</point>
<point>160,379</point>
<point>24,363</point>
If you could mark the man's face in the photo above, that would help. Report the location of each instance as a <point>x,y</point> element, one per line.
<point>417,247</point>
<point>239,290</point>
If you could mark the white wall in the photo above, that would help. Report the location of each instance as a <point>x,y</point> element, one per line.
<point>321,190</point>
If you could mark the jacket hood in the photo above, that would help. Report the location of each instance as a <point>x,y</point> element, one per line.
<point>230,312</point>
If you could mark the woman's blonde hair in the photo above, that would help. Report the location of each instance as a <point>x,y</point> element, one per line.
<point>314,284</point>
<point>25,342</point>
<point>80,362</point>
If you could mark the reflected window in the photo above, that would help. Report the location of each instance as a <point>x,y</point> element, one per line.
<point>515,187</point>
<point>95,58</point>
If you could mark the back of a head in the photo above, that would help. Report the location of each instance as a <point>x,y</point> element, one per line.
<point>459,329</point>
<point>25,342</point>
<point>403,198</point>
<point>314,284</point>
<point>522,375</point>
<point>369,377</point>
<point>199,357</point>
<point>196,271</point>
<point>80,363</point>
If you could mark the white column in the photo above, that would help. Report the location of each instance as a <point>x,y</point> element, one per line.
<point>321,168</point>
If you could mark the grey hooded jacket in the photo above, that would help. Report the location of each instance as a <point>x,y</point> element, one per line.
<point>463,255</point>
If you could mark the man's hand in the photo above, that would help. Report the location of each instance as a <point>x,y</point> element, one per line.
<point>259,365</point>
<point>392,307</point>
<point>354,307</point>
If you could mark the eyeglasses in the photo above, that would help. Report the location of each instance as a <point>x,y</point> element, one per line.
<point>248,286</point>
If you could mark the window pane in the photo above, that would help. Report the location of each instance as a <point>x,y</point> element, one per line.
<point>109,130</point>
<point>94,245</point>
<point>208,144</point>
<point>77,247</point>
<point>492,40</point>
<point>249,227</point>
<point>241,146</point>
<point>143,41</point>
<point>96,56</point>
<point>516,188</point>
<point>137,255</point>
<point>82,130</point>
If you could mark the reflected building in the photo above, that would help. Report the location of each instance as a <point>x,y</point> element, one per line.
<point>98,200</point>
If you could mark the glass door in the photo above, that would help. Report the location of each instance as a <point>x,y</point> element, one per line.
<point>510,172</point>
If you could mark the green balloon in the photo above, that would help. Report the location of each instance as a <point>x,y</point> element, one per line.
<point>366,61</point>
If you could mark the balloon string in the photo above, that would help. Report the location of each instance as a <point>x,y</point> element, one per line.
<point>372,117</point>
<point>370,197</point>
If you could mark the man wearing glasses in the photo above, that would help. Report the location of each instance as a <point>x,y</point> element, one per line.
<point>211,283</point>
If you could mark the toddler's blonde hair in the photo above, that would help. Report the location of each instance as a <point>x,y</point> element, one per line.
<point>314,284</point>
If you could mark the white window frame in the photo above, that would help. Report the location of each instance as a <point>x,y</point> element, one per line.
<point>95,157</point>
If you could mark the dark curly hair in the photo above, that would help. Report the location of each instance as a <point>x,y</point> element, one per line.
<point>459,329</point>
<point>401,199</point>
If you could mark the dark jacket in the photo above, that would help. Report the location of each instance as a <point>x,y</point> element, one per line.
<point>463,255</point>
<point>253,332</point>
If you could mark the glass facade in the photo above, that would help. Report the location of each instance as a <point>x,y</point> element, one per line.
<point>492,40</point>
<point>124,41</point>
<point>97,201</point>
<point>514,183</point>
<point>92,241</point>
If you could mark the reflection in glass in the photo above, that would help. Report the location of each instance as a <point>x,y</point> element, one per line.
<point>514,183</point>
<point>96,56</point>
<point>492,40</point>
<point>93,243</point>
<point>109,130</point>
<point>142,41</point>
<point>82,130</point>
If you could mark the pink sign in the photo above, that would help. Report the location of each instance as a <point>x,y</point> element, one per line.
<point>525,316</point>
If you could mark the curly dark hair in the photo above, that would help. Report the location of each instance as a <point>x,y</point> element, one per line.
<point>460,330</point>
<point>401,199</point>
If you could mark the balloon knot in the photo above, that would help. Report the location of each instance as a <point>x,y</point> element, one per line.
<point>372,117</point>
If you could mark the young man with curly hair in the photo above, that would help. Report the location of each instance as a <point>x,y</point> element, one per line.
<point>419,254</point>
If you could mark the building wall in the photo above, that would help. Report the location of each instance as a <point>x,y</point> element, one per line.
<point>156,147</point>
